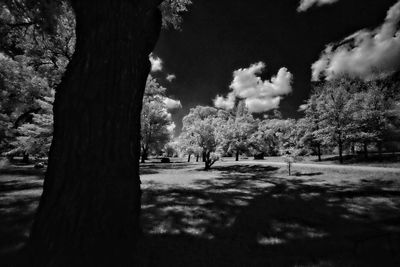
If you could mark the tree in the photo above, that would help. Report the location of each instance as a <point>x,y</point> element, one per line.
<point>309,125</point>
<point>271,134</point>
<point>89,211</point>
<point>155,119</point>
<point>235,133</point>
<point>336,113</point>
<point>373,114</point>
<point>201,128</point>
<point>21,89</point>
<point>34,138</point>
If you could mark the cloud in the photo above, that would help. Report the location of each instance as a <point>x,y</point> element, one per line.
<point>170,77</point>
<point>303,107</point>
<point>306,4</point>
<point>364,53</point>
<point>259,95</point>
<point>156,63</point>
<point>225,103</point>
<point>172,104</point>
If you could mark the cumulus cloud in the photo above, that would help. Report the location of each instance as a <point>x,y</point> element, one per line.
<point>156,63</point>
<point>170,77</point>
<point>259,95</point>
<point>306,4</point>
<point>172,104</point>
<point>364,53</point>
<point>225,102</point>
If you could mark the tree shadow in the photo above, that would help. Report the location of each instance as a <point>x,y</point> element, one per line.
<point>308,174</point>
<point>373,157</point>
<point>248,217</point>
<point>19,198</point>
<point>157,167</point>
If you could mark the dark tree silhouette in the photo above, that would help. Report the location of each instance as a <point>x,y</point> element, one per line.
<point>89,211</point>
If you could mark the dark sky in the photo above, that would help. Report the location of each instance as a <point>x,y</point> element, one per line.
<point>220,36</point>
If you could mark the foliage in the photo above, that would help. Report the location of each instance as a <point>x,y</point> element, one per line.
<point>234,133</point>
<point>34,138</point>
<point>155,119</point>
<point>201,131</point>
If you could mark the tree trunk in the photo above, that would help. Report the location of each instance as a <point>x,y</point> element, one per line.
<point>380,158</point>
<point>237,155</point>
<point>365,150</point>
<point>207,162</point>
<point>189,157</point>
<point>319,152</point>
<point>143,156</point>
<point>25,158</point>
<point>340,145</point>
<point>89,210</point>
<point>204,156</point>
<point>197,158</point>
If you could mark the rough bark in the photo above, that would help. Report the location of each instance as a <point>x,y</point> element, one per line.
<point>89,211</point>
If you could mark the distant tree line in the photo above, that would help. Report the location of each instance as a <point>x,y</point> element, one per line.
<point>343,114</point>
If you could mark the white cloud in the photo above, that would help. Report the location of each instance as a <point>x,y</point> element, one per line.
<point>364,53</point>
<point>172,104</point>
<point>306,4</point>
<point>225,103</point>
<point>156,63</point>
<point>259,95</point>
<point>303,107</point>
<point>170,77</point>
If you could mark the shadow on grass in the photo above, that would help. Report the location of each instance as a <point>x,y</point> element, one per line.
<point>157,167</point>
<point>360,158</point>
<point>308,174</point>
<point>248,215</point>
<point>20,189</point>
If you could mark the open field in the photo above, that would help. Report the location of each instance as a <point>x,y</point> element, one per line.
<point>243,214</point>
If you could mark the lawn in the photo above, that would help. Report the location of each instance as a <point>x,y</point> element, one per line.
<point>245,214</point>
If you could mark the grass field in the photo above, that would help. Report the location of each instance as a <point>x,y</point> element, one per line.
<point>245,214</point>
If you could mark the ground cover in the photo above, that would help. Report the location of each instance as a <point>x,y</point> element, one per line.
<point>245,214</point>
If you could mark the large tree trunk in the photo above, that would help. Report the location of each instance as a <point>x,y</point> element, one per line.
<point>237,155</point>
<point>89,211</point>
